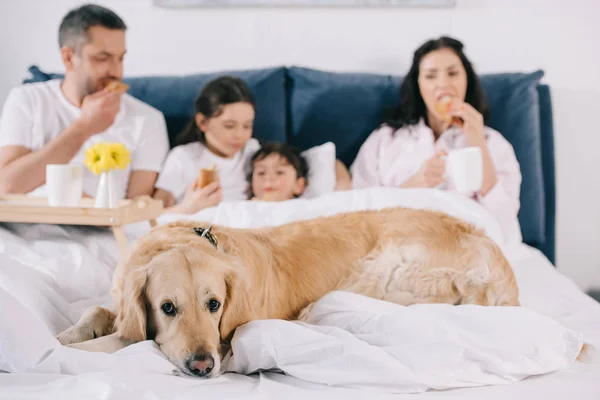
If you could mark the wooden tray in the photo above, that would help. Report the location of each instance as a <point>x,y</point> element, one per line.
<point>28,209</point>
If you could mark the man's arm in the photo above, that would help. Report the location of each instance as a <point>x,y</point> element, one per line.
<point>147,159</point>
<point>141,183</point>
<point>22,170</point>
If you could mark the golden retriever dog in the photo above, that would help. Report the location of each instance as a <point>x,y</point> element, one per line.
<point>189,289</point>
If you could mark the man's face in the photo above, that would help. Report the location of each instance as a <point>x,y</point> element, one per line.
<point>99,60</point>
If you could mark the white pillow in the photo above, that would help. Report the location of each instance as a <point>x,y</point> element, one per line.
<point>321,170</point>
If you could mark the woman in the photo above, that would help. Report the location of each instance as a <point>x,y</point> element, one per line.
<point>408,150</point>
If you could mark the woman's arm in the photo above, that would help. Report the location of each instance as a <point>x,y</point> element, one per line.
<point>490,177</point>
<point>474,131</point>
<point>502,196</point>
<point>501,186</point>
<point>343,181</point>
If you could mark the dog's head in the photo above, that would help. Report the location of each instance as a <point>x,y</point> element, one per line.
<point>184,294</point>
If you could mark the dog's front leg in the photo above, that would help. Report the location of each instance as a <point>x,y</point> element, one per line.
<point>94,323</point>
<point>104,344</point>
<point>305,312</point>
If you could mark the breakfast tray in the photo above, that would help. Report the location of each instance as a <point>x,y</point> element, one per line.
<point>35,210</point>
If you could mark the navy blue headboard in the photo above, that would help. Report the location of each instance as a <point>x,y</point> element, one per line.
<point>309,107</point>
<point>548,165</point>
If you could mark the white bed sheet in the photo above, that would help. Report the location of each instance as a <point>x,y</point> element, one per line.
<point>50,274</point>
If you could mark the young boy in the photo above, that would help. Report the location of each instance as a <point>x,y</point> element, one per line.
<point>278,172</point>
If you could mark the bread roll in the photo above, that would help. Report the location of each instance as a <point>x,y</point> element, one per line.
<point>207,176</point>
<point>442,107</point>
<point>117,85</point>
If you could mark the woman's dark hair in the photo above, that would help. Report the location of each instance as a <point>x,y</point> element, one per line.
<point>217,93</point>
<point>412,107</point>
<point>290,153</point>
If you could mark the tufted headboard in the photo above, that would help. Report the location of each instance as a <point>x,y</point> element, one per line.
<point>548,246</point>
<point>308,107</point>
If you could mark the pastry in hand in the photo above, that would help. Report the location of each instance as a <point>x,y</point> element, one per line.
<point>443,107</point>
<point>113,86</point>
<point>207,176</point>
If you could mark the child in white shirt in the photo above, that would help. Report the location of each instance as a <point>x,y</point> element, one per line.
<point>279,172</point>
<point>221,135</point>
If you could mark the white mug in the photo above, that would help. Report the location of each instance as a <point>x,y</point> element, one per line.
<point>64,185</point>
<point>465,169</point>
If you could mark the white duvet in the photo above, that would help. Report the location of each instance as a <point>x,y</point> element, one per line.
<point>50,274</point>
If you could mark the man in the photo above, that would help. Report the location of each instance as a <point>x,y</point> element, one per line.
<point>54,122</point>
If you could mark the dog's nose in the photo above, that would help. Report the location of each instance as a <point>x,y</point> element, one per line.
<point>200,364</point>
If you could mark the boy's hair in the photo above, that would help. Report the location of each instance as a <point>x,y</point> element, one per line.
<point>289,153</point>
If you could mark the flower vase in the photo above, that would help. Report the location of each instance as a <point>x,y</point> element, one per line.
<point>105,194</point>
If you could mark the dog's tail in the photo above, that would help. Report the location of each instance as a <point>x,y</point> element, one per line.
<point>586,353</point>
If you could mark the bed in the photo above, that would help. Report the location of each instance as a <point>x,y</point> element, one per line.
<point>50,274</point>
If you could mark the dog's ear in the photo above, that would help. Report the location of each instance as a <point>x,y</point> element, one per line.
<point>236,310</point>
<point>131,316</point>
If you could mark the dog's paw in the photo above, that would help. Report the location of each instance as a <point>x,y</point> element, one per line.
<point>82,345</point>
<point>94,323</point>
<point>305,313</point>
<point>75,334</point>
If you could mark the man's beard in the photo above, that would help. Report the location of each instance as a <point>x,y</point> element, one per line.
<point>90,86</point>
<point>87,86</point>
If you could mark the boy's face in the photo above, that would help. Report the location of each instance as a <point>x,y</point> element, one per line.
<point>274,179</point>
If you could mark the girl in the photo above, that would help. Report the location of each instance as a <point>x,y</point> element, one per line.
<point>221,135</point>
<point>278,172</point>
<point>408,149</point>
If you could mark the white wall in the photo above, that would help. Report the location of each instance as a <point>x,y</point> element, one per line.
<point>558,36</point>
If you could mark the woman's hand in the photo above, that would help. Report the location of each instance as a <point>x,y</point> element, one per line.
<point>473,126</point>
<point>473,129</point>
<point>196,199</point>
<point>430,174</point>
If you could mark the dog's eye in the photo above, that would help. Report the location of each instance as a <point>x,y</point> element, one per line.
<point>169,309</point>
<point>213,305</point>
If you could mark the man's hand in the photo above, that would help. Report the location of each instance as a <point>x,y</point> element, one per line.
<point>99,110</point>
<point>23,169</point>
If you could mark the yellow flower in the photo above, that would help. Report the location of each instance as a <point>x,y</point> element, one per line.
<point>119,155</point>
<point>104,157</point>
<point>95,158</point>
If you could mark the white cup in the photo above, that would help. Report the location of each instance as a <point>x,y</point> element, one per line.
<point>64,185</point>
<point>465,169</point>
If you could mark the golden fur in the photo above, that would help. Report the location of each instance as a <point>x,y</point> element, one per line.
<point>401,255</point>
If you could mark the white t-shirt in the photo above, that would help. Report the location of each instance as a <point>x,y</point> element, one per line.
<point>36,113</point>
<point>184,163</point>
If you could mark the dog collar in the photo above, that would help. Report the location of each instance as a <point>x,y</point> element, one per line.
<point>205,233</point>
